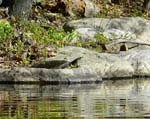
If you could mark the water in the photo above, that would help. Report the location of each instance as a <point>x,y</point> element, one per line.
<point>122,99</point>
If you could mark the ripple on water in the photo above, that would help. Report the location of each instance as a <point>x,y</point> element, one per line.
<point>109,99</point>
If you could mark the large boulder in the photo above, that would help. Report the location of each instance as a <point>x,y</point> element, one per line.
<point>133,28</point>
<point>105,65</point>
<point>89,34</point>
<point>134,62</point>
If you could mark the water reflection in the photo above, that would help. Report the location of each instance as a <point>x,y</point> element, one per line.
<point>110,99</point>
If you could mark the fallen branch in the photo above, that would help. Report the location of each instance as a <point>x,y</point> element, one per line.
<point>132,42</point>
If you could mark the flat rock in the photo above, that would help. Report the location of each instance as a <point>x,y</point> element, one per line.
<point>103,64</point>
<point>49,76</point>
<point>134,62</point>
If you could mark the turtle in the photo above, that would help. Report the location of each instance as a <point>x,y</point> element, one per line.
<point>52,63</point>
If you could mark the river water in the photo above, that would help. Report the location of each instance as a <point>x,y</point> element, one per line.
<point>122,99</point>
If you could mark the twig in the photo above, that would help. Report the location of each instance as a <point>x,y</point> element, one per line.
<point>132,42</point>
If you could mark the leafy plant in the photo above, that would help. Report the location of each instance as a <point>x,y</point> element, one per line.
<point>34,31</point>
<point>101,38</point>
<point>59,37</point>
<point>5,32</point>
<point>29,42</point>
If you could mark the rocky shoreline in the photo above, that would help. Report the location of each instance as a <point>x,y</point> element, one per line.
<point>48,76</point>
<point>74,65</point>
<point>92,67</point>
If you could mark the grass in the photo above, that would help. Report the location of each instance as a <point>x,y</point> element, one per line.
<point>25,42</point>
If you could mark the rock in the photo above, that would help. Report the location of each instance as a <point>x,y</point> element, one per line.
<point>105,65</point>
<point>69,7</point>
<point>85,23</point>
<point>115,34</point>
<point>46,76</point>
<point>136,27</point>
<point>110,66</point>
<point>75,8</point>
<point>83,34</point>
<point>140,60</point>
<point>89,34</point>
<point>79,8</point>
<point>91,10</point>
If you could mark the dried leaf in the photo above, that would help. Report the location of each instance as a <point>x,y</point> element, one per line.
<point>51,54</point>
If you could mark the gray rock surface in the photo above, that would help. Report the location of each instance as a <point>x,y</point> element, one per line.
<point>135,28</point>
<point>135,62</point>
<point>139,59</point>
<point>105,65</point>
<point>91,10</point>
<point>116,34</point>
<point>84,34</point>
<point>42,75</point>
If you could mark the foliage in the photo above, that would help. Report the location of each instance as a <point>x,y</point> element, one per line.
<point>29,42</point>
<point>101,38</point>
<point>24,42</point>
<point>5,32</point>
<point>33,30</point>
<point>59,37</point>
